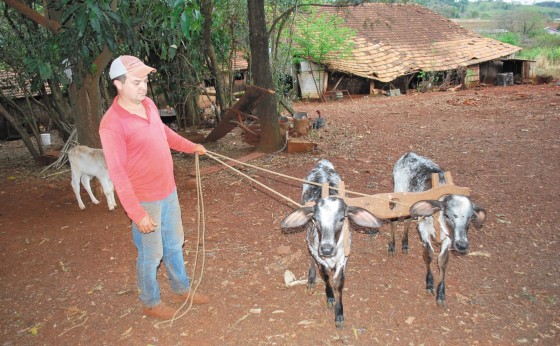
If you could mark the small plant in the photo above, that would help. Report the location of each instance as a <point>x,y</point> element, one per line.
<point>427,80</point>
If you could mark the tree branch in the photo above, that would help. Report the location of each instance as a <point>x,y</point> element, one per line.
<point>35,16</point>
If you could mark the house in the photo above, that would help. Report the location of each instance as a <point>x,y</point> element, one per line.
<point>396,42</point>
<point>15,89</point>
<point>551,31</point>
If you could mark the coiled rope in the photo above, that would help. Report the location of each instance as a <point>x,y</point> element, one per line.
<point>200,247</point>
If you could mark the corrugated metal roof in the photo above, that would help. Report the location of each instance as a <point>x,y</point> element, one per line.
<point>397,39</point>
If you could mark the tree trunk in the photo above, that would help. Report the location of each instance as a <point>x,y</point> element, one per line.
<point>206,9</point>
<point>21,130</point>
<point>266,110</point>
<point>89,103</point>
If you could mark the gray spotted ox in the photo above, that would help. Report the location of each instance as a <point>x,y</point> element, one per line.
<point>413,173</point>
<point>325,239</point>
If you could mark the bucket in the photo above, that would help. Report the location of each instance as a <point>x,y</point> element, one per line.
<point>301,123</point>
<point>46,139</point>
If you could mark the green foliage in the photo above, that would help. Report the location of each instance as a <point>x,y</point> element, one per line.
<point>319,35</point>
<point>552,54</point>
<point>509,37</point>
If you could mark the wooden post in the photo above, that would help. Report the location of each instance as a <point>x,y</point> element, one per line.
<point>345,226</point>
<point>435,216</point>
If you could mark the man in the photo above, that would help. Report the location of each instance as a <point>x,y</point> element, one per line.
<point>137,145</point>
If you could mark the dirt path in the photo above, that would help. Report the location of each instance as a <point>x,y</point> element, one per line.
<point>68,276</point>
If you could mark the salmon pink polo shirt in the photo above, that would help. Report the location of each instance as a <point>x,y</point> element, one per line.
<point>138,156</point>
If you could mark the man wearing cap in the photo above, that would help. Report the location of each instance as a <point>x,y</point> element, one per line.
<point>137,145</point>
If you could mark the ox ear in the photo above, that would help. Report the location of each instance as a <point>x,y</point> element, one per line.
<point>363,218</point>
<point>297,218</point>
<point>425,208</point>
<point>478,217</point>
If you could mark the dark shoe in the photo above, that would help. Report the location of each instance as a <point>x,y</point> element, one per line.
<point>160,311</point>
<point>197,298</point>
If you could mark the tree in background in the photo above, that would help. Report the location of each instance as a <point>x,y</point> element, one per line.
<point>81,38</point>
<point>262,76</point>
<point>522,20</point>
<point>320,35</point>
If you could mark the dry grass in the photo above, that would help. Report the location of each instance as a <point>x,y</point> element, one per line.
<point>547,67</point>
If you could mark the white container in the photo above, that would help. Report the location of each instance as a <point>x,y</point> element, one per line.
<point>46,139</point>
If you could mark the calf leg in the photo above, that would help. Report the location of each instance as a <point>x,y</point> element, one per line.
<point>109,193</point>
<point>328,287</point>
<point>405,236</point>
<point>391,247</point>
<point>442,265</point>
<point>76,188</point>
<point>86,183</point>
<point>427,255</point>
<point>311,277</point>
<point>338,308</point>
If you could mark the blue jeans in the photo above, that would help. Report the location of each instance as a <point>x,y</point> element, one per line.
<point>166,243</point>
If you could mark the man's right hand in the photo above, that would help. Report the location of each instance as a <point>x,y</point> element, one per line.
<point>146,225</point>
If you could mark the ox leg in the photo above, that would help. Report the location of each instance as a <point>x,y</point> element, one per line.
<point>338,308</point>
<point>427,255</point>
<point>86,183</point>
<point>311,277</point>
<point>405,236</point>
<point>328,287</point>
<point>391,247</point>
<point>76,188</point>
<point>442,265</point>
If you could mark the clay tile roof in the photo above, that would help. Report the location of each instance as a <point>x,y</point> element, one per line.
<point>397,39</point>
<point>239,62</point>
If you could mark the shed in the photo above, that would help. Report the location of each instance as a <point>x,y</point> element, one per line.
<point>394,42</point>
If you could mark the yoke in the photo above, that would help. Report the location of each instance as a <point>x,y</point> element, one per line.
<point>397,204</point>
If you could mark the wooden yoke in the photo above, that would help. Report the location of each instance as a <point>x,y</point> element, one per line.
<point>435,183</point>
<point>397,204</point>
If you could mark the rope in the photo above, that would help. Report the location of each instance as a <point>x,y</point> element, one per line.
<point>200,243</point>
<point>213,155</point>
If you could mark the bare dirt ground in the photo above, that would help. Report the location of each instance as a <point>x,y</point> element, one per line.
<point>68,276</point>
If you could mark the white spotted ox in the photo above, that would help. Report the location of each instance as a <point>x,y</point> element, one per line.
<point>413,173</point>
<point>325,239</point>
<point>86,163</point>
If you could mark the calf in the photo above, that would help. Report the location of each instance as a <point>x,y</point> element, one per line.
<point>325,236</point>
<point>413,173</point>
<point>86,163</point>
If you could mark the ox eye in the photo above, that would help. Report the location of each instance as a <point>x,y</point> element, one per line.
<point>341,220</point>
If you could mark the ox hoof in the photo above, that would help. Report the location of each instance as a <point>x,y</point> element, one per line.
<point>339,322</point>
<point>310,285</point>
<point>330,303</point>
<point>441,303</point>
<point>430,291</point>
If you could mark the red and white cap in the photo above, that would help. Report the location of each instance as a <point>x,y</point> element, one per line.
<point>130,65</point>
